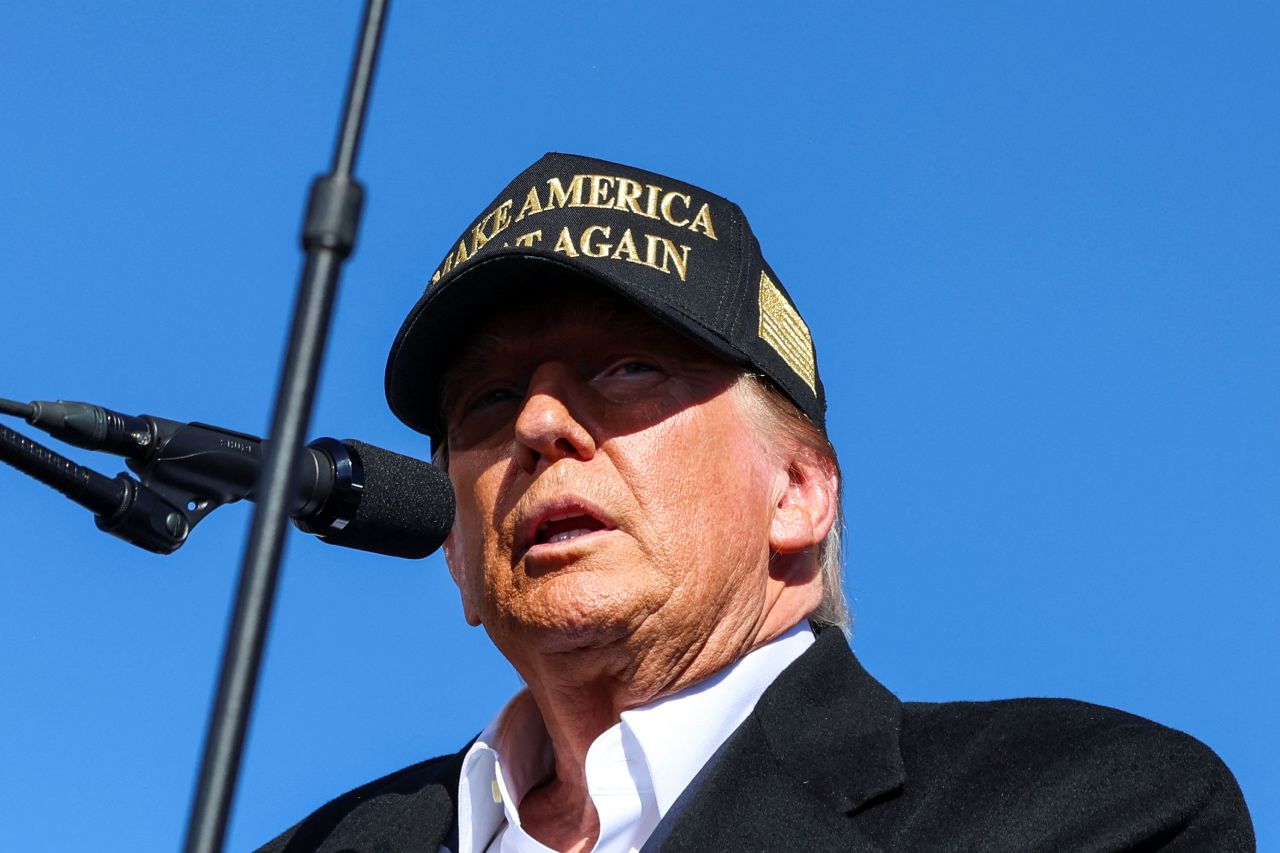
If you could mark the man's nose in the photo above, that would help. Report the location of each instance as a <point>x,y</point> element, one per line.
<point>549,426</point>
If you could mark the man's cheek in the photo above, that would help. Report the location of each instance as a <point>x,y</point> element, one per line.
<point>460,570</point>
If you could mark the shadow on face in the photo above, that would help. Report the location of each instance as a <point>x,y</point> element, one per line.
<point>617,369</point>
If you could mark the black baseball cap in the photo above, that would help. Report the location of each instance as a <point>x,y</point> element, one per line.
<point>684,255</point>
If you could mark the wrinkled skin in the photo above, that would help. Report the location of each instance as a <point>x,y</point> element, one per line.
<point>684,539</point>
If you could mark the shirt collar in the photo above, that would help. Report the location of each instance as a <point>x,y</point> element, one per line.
<point>665,743</point>
<point>679,733</point>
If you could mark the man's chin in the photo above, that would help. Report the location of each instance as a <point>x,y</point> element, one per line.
<point>579,610</point>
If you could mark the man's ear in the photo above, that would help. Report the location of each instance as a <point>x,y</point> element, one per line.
<point>457,570</point>
<point>806,508</point>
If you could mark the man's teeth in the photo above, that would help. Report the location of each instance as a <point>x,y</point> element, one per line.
<point>569,534</point>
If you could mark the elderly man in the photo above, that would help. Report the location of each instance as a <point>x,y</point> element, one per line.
<point>629,407</point>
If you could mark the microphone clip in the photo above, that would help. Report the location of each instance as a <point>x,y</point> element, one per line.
<point>184,471</point>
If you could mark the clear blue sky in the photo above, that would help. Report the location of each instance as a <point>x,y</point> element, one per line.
<point>1037,244</point>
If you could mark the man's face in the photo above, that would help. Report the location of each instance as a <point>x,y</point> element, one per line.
<point>609,486</point>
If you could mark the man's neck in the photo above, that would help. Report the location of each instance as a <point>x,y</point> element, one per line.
<point>583,693</point>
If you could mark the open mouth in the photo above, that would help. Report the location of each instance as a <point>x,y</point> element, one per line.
<point>561,519</point>
<point>563,529</point>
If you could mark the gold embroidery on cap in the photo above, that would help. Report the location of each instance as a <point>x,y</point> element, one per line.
<point>605,192</point>
<point>783,329</point>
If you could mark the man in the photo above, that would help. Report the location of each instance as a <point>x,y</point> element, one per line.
<point>629,407</point>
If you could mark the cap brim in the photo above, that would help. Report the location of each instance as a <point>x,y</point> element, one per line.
<point>448,313</point>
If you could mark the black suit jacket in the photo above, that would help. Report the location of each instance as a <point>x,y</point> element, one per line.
<point>831,760</point>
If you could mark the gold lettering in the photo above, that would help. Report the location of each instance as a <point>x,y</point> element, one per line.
<point>680,260</point>
<point>626,250</point>
<point>666,208</point>
<point>435,276</point>
<point>602,249</point>
<point>669,253</point>
<point>564,243</point>
<point>529,239</point>
<point>651,201</point>
<point>558,196</point>
<point>651,251</point>
<point>599,195</point>
<point>532,204</point>
<point>628,192</point>
<point>502,218</point>
<point>461,254</point>
<point>704,219</point>
<point>478,237</point>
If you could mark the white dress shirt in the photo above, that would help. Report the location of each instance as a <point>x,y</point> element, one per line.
<point>635,770</point>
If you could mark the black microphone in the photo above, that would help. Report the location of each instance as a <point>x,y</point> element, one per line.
<point>379,501</point>
<point>348,493</point>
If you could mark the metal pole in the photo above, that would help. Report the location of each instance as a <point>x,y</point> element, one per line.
<point>328,237</point>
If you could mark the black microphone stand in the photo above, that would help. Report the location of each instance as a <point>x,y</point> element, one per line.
<point>328,236</point>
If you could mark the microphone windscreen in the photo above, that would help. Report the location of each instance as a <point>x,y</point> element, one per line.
<point>405,510</point>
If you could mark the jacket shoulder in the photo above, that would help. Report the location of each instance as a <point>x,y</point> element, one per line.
<point>410,809</point>
<point>1068,774</point>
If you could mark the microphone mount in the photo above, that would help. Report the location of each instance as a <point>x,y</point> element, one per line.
<point>184,471</point>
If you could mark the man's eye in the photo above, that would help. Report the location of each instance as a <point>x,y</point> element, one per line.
<point>491,398</point>
<point>631,367</point>
<point>482,402</point>
<point>627,380</point>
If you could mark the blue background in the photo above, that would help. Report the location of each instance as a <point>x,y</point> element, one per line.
<point>1037,245</point>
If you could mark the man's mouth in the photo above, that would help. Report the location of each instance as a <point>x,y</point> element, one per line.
<point>562,519</point>
<point>564,529</point>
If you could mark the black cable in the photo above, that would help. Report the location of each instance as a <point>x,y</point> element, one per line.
<point>97,493</point>
<point>18,410</point>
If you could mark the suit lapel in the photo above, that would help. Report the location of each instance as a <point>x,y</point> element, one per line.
<point>820,745</point>
<point>410,811</point>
